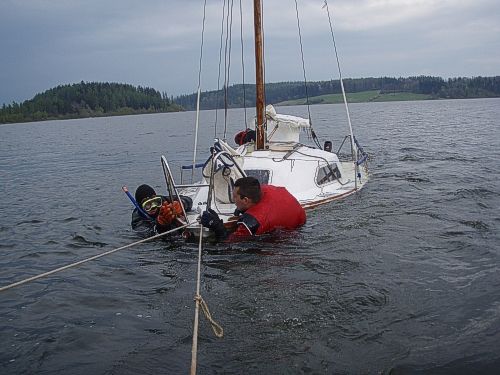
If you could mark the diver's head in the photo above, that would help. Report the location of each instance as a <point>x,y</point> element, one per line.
<point>146,197</point>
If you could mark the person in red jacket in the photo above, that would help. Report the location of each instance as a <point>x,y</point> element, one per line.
<point>262,209</point>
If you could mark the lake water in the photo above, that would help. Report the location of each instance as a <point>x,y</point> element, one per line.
<point>401,278</point>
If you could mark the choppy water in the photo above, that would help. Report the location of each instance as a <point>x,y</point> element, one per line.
<point>402,278</point>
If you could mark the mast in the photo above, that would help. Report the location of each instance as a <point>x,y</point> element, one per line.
<point>259,75</point>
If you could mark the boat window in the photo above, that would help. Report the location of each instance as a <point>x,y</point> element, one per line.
<point>260,174</point>
<point>327,173</point>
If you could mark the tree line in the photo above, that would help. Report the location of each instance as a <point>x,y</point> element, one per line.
<point>88,99</point>
<point>436,87</point>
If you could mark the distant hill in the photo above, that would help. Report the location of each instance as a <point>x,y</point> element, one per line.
<point>88,99</point>
<point>358,97</point>
<point>373,89</point>
<point>93,99</point>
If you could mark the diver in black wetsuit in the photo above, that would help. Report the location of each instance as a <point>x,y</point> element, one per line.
<point>161,213</point>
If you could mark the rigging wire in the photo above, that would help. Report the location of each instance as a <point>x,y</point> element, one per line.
<point>313,134</point>
<point>199,93</point>
<point>302,57</point>
<point>243,64</point>
<point>220,63</point>
<point>264,63</point>
<point>229,28</point>
<point>353,147</point>
<point>202,41</point>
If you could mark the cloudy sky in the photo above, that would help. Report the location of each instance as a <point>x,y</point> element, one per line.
<point>44,43</point>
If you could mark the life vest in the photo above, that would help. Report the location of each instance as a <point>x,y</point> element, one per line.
<point>245,136</point>
<point>277,209</point>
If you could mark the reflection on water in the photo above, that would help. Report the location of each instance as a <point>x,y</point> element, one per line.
<point>401,278</point>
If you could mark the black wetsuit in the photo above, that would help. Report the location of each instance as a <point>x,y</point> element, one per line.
<point>146,227</point>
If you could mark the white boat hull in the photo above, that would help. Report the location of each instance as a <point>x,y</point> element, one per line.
<point>303,170</point>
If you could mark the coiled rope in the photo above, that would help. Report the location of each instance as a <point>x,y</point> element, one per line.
<point>45,274</point>
<point>216,327</point>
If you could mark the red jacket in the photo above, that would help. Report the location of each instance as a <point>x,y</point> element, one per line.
<point>277,209</point>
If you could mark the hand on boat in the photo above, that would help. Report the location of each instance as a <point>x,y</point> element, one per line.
<point>168,212</point>
<point>177,208</point>
<point>210,219</point>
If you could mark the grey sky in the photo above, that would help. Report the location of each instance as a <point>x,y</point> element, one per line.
<point>156,43</point>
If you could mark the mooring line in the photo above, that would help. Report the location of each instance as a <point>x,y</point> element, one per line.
<point>194,348</point>
<point>218,330</point>
<point>200,302</point>
<point>88,259</point>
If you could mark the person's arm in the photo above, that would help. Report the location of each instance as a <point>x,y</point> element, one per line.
<point>163,222</point>
<point>210,219</point>
<point>247,226</point>
<point>166,216</point>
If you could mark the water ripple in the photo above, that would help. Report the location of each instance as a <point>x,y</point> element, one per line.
<point>400,278</point>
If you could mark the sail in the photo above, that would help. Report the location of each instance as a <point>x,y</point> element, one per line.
<point>284,128</point>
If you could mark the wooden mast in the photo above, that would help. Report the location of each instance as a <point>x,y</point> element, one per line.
<point>259,75</point>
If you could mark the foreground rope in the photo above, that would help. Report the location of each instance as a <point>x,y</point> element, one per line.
<point>88,259</point>
<point>194,347</point>
<point>218,330</point>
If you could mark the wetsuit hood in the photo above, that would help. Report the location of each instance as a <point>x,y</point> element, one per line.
<point>142,192</point>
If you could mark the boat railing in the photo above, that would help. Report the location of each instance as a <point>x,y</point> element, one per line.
<point>189,167</point>
<point>345,156</point>
<point>222,169</point>
<point>361,155</point>
<point>172,187</point>
<point>230,162</point>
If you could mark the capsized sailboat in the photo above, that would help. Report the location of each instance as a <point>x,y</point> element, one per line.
<point>314,175</point>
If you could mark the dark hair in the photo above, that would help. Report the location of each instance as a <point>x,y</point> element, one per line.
<point>249,187</point>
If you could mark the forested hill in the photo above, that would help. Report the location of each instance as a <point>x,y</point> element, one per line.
<point>94,99</point>
<point>88,100</point>
<point>424,86</point>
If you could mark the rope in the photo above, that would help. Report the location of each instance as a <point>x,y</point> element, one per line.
<point>229,38</point>
<point>264,58</point>
<point>218,330</point>
<point>220,63</point>
<point>243,65</point>
<point>199,95</point>
<point>88,259</point>
<point>313,134</point>
<point>302,57</point>
<point>325,5</point>
<point>194,348</point>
